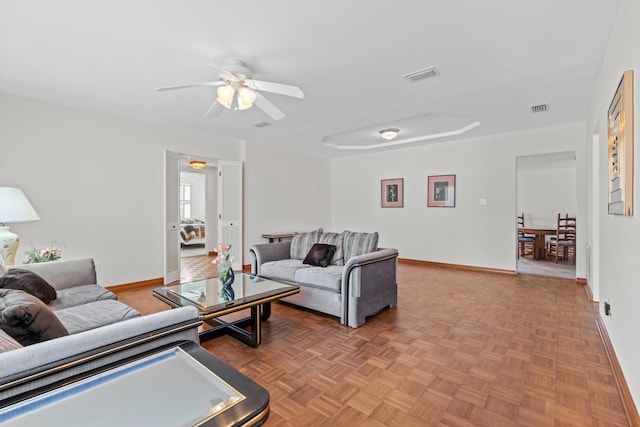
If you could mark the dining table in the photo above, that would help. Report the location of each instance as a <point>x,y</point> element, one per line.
<point>539,244</point>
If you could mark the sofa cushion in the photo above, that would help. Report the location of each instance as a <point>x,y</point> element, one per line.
<point>7,343</point>
<point>94,314</point>
<point>337,240</point>
<point>78,295</point>
<point>320,255</point>
<point>302,242</point>
<point>359,243</point>
<point>27,319</point>
<point>329,278</point>
<point>28,281</point>
<point>284,269</point>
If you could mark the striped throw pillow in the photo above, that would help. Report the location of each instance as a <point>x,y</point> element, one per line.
<point>302,243</point>
<point>359,244</point>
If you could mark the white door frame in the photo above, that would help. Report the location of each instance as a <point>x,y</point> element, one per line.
<point>172,212</point>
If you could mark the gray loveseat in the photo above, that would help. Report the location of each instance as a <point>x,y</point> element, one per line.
<point>99,329</point>
<point>359,281</point>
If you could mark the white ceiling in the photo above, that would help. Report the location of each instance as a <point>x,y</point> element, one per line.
<point>496,59</point>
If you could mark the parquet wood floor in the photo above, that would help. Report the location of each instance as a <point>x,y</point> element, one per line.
<point>461,349</point>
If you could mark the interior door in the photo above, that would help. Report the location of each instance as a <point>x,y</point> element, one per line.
<point>172,218</point>
<point>230,208</point>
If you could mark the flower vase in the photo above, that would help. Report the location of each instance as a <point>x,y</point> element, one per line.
<point>226,274</point>
<point>227,293</point>
<point>223,261</point>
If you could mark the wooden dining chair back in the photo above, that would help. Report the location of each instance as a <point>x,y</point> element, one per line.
<point>525,242</point>
<point>563,247</point>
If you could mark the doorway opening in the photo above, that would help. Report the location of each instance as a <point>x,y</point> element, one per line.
<point>191,218</point>
<point>193,214</point>
<point>546,187</point>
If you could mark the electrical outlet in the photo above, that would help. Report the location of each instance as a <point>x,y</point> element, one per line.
<point>483,202</point>
<point>607,307</point>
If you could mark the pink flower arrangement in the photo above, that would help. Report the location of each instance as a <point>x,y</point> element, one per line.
<point>223,261</point>
<point>44,255</point>
<point>224,255</point>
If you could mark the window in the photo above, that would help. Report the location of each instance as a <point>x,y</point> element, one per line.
<point>185,200</point>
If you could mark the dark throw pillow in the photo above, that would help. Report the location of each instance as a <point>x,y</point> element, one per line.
<point>301,243</point>
<point>320,255</point>
<point>27,319</point>
<point>28,281</point>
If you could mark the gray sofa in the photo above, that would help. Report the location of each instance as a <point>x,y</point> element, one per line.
<point>100,329</point>
<point>359,281</point>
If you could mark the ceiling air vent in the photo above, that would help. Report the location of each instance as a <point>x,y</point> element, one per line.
<point>421,74</point>
<point>540,108</point>
<point>261,124</point>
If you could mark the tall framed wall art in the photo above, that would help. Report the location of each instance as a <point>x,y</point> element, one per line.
<point>392,193</point>
<point>620,141</point>
<point>441,191</point>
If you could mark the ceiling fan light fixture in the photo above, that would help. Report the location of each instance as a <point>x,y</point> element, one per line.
<point>197,164</point>
<point>225,95</point>
<point>389,133</point>
<point>246,98</point>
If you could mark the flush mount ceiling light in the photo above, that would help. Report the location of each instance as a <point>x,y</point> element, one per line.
<point>389,133</point>
<point>455,126</point>
<point>197,164</point>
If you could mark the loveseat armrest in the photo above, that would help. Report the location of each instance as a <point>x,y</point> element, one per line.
<point>369,283</point>
<point>44,363</point>
<point>64,273</point>
<point>267,252</point>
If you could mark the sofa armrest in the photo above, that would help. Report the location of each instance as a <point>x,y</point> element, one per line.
<point>367,261</point>
<point>43,363</point>
<point>64,273</point>
<point>266,252</point>
<point>366,281</point>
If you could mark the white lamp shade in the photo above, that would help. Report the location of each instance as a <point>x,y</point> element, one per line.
<point>14,206</point>
<point>246,98</point>
<point>225,95</point>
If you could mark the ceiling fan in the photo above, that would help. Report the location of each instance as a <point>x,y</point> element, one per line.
<point>237,89</point>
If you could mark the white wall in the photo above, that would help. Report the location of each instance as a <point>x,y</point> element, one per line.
<point>284,191</point>
<point>96,181</point>
<point>545,193</point>
<point>619,235</point>
<point>469,234</point>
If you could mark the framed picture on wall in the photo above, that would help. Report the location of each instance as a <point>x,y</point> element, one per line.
<point>392,193</point>
<point>441,191</point>
<point>620,135</point>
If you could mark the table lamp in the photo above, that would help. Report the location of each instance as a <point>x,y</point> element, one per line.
<point>14,207</point>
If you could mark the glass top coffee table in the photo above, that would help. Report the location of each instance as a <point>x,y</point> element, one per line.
<point>213,301</point>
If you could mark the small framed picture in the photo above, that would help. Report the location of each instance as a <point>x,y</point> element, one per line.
<point>392,193</point>
<point>441,191</point>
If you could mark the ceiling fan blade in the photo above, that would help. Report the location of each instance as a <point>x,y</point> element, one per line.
<point>215,110</point>
<point>160,89</point>
<point>280,88</point>
<point>265,105</point>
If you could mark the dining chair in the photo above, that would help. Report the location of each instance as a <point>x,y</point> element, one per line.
<point>563,246</point>
<point>525,242</point>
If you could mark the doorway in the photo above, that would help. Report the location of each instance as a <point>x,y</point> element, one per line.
<point>546,186</point>
<point>193,213</point>
<point>222,208</point>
